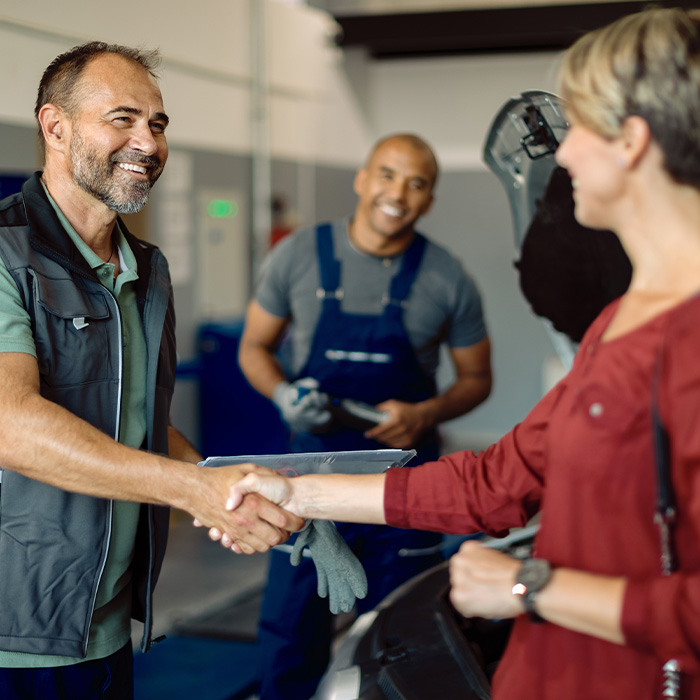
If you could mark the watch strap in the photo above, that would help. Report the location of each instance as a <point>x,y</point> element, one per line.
<point>532,577</point>
<point>529,604</point>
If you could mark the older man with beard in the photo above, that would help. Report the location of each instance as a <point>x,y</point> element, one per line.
<point>87,369</point>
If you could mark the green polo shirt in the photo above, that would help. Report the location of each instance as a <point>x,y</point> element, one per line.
<point>111,621</point>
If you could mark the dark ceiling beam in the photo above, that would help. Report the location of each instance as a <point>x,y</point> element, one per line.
<point>551,28</point>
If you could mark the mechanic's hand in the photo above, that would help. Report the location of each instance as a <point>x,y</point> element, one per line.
<point>302,405</point>
<point>406,424</point>
<point>481,582</point>
<point>255,526</point>
<point>341,577</point>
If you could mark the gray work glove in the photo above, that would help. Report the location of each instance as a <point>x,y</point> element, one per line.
<point>341,577</point>
<point>302,405</point>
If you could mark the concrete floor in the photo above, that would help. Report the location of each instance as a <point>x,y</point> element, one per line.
<point>199,577</point>
<point>200,580</point>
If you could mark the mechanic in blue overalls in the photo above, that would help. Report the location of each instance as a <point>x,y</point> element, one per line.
<point>368,302</point>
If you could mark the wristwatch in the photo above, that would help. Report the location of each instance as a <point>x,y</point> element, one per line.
<point>533,576</point>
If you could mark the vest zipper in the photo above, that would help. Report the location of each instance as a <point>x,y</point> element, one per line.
<point>116,437</point>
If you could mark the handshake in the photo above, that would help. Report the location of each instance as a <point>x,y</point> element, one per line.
<point>341,577</point>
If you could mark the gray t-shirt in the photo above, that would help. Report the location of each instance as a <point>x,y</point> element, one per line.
<point>444,305</point>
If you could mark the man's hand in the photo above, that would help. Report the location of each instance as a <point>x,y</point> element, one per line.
<point>303,407</point>
<point>482,580</point>
<point>406,424</point>
<point>409,422</point>
<point>256,525</point>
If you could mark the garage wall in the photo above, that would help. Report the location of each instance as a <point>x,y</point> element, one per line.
<point>323,109</point>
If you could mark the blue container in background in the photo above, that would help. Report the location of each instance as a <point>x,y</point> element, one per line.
<point>234,418</point>
<point>11,183</point>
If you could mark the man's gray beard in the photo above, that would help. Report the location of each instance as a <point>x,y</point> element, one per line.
<point>98,179</point>
<point>138,200</point>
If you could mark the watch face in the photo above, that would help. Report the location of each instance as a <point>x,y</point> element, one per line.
<point>534,573</point>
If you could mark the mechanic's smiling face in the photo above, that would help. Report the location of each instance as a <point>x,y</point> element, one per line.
<point>117,142</point>
<point>395,189</point>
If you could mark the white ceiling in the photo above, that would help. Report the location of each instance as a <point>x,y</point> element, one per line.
<point>385,7</point>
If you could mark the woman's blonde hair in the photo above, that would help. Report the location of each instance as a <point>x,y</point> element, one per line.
<point>646,64</point>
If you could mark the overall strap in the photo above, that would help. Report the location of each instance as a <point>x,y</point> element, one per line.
<point>404,278</point>
<point>328,265</point>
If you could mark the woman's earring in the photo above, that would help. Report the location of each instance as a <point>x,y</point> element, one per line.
<point>622,162</point>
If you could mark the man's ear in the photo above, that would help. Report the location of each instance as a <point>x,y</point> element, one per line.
<point>428,205</point>
<point>635,139</point>
<point>360,179</point>
<point>53,122</point>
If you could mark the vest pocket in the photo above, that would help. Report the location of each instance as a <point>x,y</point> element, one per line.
<point>72,332</point>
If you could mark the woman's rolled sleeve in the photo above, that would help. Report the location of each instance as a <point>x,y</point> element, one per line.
<point>465,492</point>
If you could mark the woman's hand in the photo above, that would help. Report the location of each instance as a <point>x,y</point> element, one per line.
<point>482,581</point>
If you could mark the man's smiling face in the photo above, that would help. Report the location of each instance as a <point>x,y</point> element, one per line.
<point>395,188</point>
<point>118,147</point>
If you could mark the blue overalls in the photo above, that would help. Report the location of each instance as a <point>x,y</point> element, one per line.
<point>367,358</point>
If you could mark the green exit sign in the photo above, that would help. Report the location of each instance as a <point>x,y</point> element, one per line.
<point>222,209</point>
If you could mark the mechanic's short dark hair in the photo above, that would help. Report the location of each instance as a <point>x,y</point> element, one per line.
<point>415,142</point>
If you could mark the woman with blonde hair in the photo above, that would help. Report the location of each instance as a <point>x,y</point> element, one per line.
<point>610,605</point>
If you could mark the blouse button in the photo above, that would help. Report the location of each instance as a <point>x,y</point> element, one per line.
<point>596,410</point>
